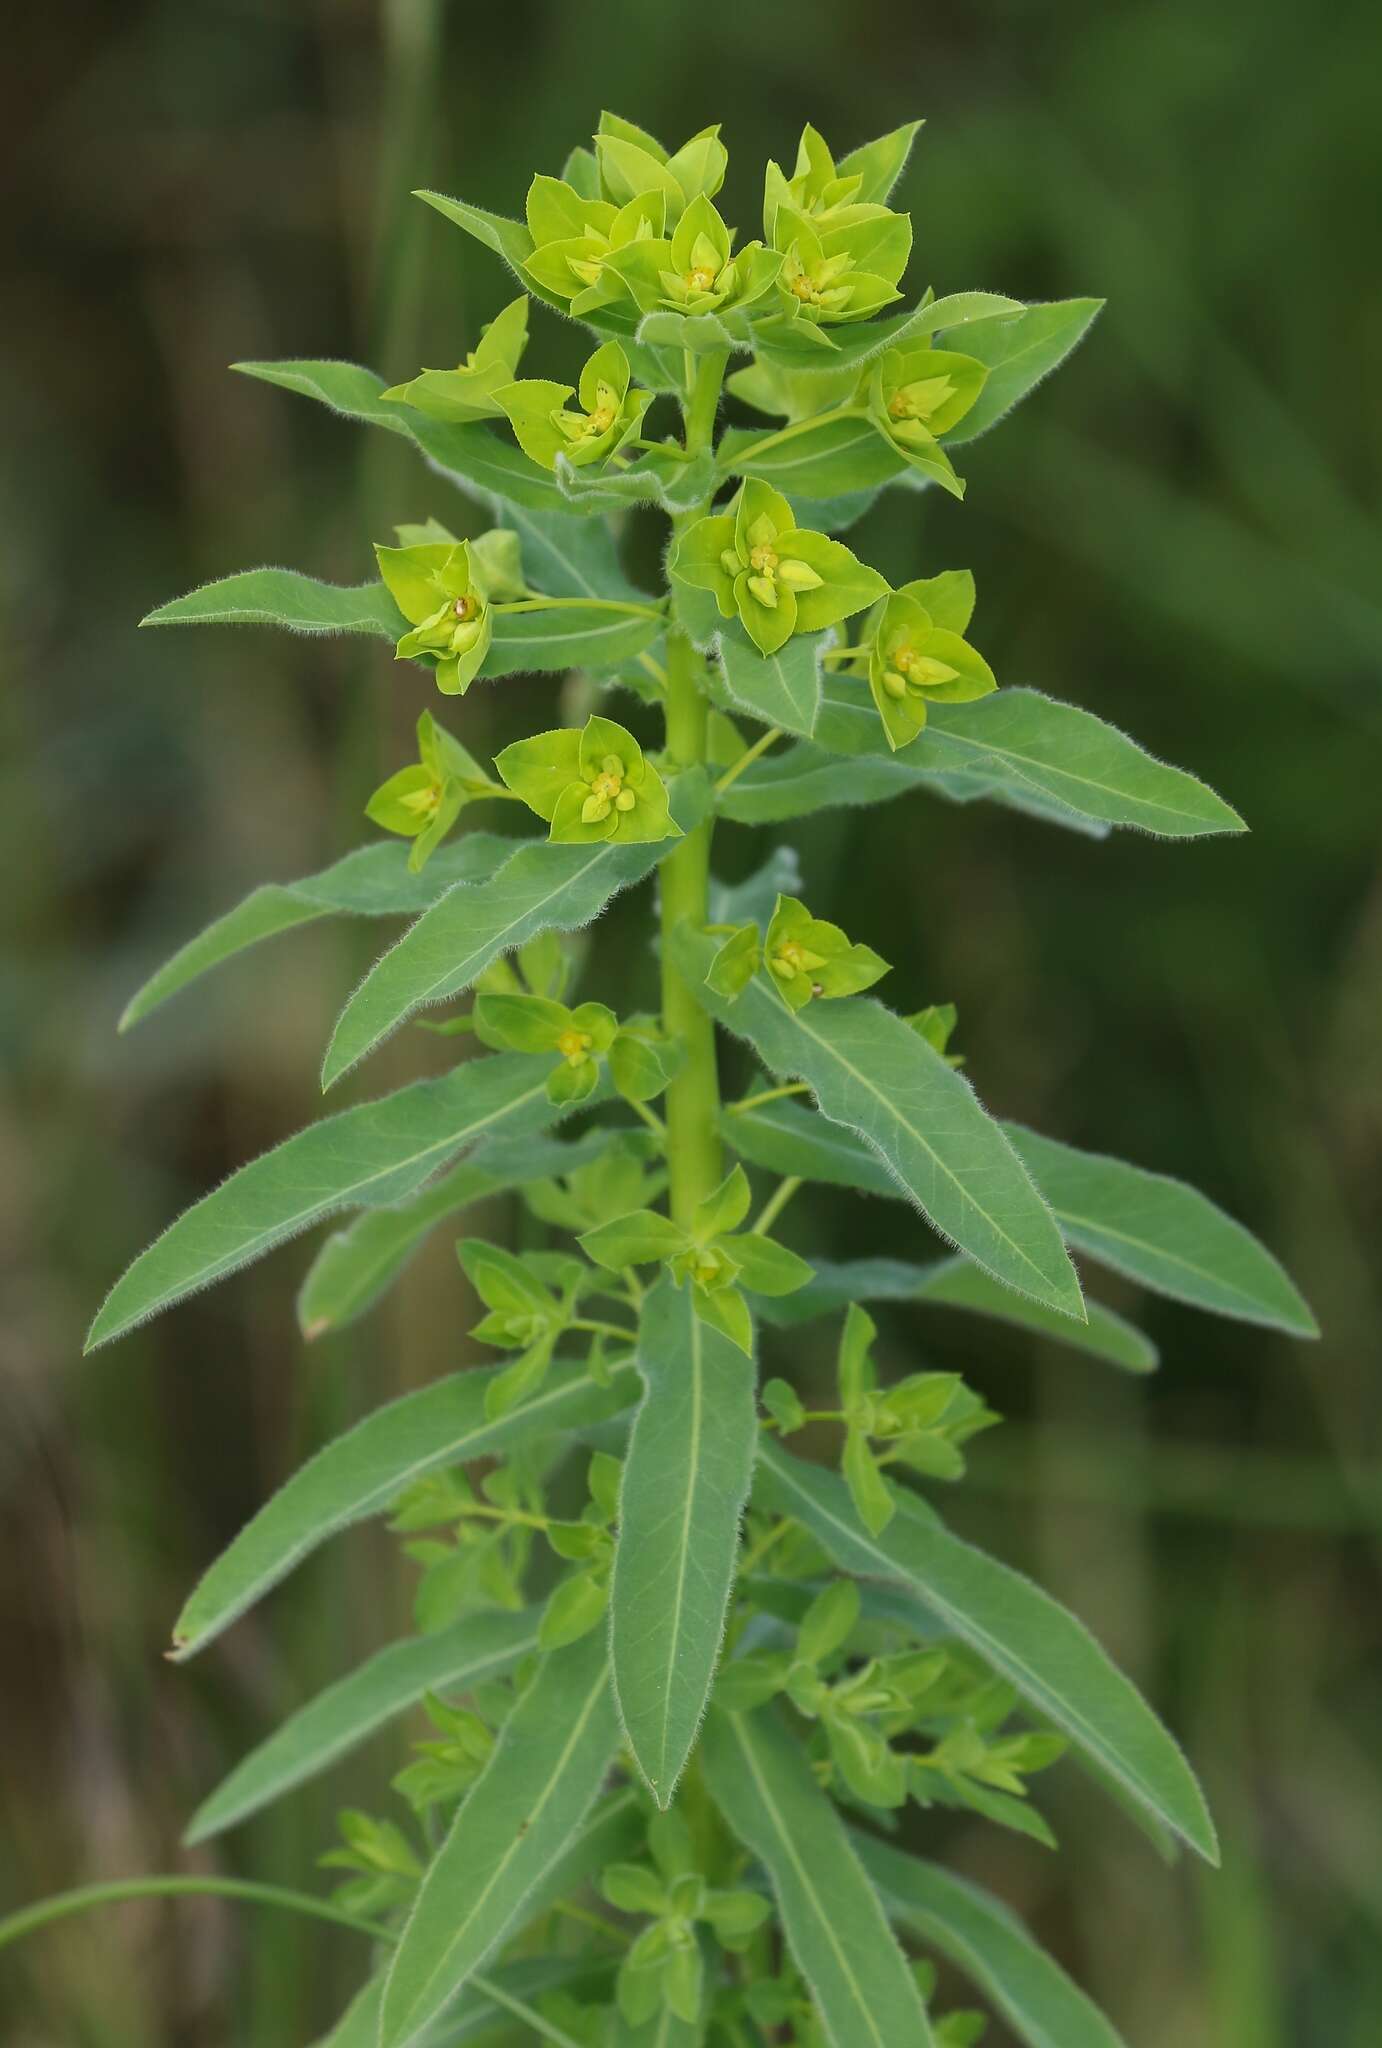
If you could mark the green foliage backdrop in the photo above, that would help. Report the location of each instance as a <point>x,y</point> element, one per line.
<point>1186,527</point>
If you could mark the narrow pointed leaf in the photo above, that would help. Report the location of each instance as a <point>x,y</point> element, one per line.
<point>374,881</point>
<point>472,1651</point>
<point>524,1809</point>
<point>481,2007</point>
<point>781,689</point>
<point>835,1926</point>
<point>860,341</point>
<point>685,1482</point>
<point>542,887</point>
<point>872,1073</point>
<point>355,1266</point>
<point>377,1152</point>
<point>1020,1631</point>
<point>956,1283</point>
<point>285,597</point>
<point>1164,1234</point>
<point>989,1945</point>
<point>1019,352</point>
<point>363,1472</point>
<point>1060,755</point>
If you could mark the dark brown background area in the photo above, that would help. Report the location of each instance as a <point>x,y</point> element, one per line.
<point>1180,532</point>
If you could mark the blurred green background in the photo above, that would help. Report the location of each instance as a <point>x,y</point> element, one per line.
<point>1181,532</point>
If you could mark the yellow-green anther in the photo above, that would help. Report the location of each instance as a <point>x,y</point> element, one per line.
<point>919,400</point>
<point>424,802</point>
<point>921,669</point>
<point>574,1046</point>
<point>764,559</point>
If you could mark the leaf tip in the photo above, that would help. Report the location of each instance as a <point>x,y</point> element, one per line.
<point>317,1327</point>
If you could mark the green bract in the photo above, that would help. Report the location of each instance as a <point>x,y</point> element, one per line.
<point>919,656</point>
<point>590,785</point>
<point>806,957</point>
<point>433,586</point>
<point>694,271</point>
<point>609,418</point>
<point>677,1669</point>
<point>468,393</point>
<point>780,579</point>
<point>423,802</point>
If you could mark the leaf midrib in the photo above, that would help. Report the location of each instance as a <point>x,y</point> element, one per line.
<point>1060,773</point>
<point>533,1816</point>
<point>804,1877</point>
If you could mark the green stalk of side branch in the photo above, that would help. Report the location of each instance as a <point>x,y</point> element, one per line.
<point>694,1160</point>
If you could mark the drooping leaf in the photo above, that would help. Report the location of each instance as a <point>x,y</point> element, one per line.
<point>1016,1628</point>
<point>1164,1234</point>
<point>1062,755</point>
<point>872,1073</point>
<point>987,1943</point>
<point>834,1924</point>
<point>956,1283</point>
<point>374,881</point>
<point>363,1472</point>
<point>473,457</point>
<point>481,1647</point>
<point>783,688</point>
<point>1019,352</point>
<point>542,887</point>
<point>355,1266</point>
<point>524,1809</point>
<point>373,1154</point>
<point>686,1478</point>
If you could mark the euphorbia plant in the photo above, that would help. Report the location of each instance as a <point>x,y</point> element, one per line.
<point>684,1666</point>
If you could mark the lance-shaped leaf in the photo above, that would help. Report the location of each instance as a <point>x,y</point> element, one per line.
<point>685,1482</point>
<point>1019,352</point>
<point>528,1803</point>
<point>1018,1630</point>
<point>1158,1231</point>
<point>1062,755</point>
<point>363,1472</point>
<point>987,1943</point>
<point>956,1283</point>
<point>377,1152</point>
<point>471,456</point>
<point>801,780</point>
<point>783,688</point>
<point>355,1266</point>
<point>543,887</point>
<point>831,1915</point>
<point>469,1653</point>
<point>1164,1234</point>
<point>284,597</point>
<point>872,1073</point>
<point>374,881</point>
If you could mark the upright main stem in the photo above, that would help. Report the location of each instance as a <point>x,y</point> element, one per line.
<point>694,1159</point>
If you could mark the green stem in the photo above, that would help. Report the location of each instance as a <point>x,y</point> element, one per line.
<point>747,1102</point>
<point>776,1203</point>
<point>651,1118</point>
<point>839,412</point>
<point>58,1908</point>
<point>747,759</point>
<point>694,1159</point>
<point>577,604</point>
